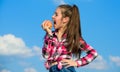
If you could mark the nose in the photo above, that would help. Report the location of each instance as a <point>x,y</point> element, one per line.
<point>53,16</point>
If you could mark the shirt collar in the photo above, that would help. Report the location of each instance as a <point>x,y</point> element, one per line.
<point>63,36</point>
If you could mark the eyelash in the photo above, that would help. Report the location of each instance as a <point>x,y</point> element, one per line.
<point>56,15</point>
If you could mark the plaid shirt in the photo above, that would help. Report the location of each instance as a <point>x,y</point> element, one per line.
<point>54,50</point>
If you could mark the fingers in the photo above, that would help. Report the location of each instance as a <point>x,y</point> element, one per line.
<point>43,24</point>
<point>66,64</point>
<point>46,24</point>
<point>64,61</point>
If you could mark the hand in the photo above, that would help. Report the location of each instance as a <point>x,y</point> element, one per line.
<point>68,62</point>
<point>47,25</point>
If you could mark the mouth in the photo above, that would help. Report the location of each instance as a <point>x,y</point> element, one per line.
<point>54,22</point>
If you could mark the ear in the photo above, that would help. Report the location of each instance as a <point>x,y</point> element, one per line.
<point>66,19</point>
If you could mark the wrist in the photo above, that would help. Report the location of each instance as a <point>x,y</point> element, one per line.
<point>49,32</point>
<point>78,63</point>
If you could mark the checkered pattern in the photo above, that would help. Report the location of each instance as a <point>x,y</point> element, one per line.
<point>54,50</point>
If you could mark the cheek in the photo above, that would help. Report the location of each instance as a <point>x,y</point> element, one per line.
<point>57,25</point>
<point>59,20</point>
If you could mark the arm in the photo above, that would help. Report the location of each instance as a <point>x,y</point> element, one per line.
<point>91,54</point>
<point>47,39</point>
<point>47,46</point>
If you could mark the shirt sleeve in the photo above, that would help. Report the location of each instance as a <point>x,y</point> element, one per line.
<point>47,46</point>
<point>91,54</point>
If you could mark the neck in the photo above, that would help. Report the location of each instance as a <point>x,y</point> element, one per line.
<point>60,32</point>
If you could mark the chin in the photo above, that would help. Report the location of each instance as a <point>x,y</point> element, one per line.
<point>55,27</point>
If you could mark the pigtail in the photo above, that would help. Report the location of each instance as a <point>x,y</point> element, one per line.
<point>74,32</point>
<point>76,19</point>
<point>73,29</point>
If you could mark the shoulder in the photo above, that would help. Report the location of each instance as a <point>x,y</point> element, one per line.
<point>48,36</point>
<point>82,41</point>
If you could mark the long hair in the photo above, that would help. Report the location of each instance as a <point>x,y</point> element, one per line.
<point>73,30</point>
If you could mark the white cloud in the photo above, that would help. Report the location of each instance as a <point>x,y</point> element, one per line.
<point>98,64</point>
<point>30,70</point>
<point>24,64</point>
<point>5,70</point>
<point>38,51</point>
<point>59,2</point>
<point>14,46</point>
<point>115,59</point>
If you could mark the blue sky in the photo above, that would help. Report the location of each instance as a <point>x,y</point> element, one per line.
<point>21,35</point>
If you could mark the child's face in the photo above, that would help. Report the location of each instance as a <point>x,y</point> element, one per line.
<point>57,19</point>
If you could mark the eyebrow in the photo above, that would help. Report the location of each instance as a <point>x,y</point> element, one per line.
<point>55,12</point>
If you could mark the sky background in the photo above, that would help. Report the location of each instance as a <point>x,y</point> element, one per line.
<point>21,35</point>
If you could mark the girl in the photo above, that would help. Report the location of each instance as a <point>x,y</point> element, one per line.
<point>66,42</point>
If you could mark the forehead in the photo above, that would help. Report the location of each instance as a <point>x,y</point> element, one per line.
<point>58,10</point>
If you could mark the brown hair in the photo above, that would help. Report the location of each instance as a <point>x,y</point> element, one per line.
<point>73,28</point>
